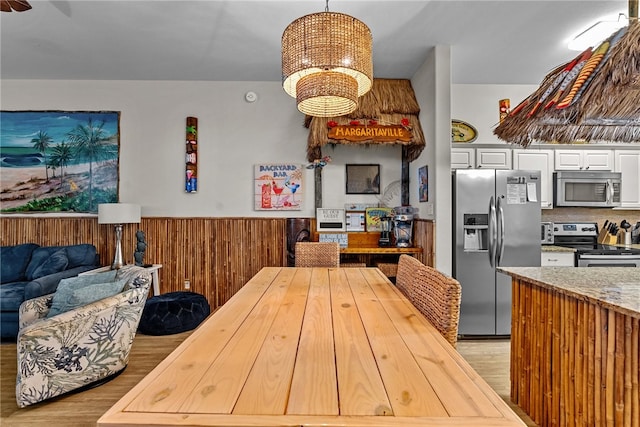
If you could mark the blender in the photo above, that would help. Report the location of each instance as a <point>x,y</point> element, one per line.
<point>385,231</point>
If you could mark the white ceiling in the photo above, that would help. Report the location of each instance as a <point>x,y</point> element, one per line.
<point>492,42</point>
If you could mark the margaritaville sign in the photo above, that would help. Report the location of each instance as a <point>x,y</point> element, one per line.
<point>370,133</point>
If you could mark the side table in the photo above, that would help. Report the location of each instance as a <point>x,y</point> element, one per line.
<point>155,278</point>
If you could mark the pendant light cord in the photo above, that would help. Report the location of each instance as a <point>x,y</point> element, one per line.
<point>326,7</point>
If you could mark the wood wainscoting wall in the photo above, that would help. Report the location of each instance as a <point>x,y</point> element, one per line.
<point>424,236</point>
<point>217,255</point>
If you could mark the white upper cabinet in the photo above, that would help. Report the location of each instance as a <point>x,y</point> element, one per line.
<point>463,158</point>
<point>598,160</point>
<point>488,158</point>
<point>541,160</point>
<point>493,158</point>
<point>627,162</point>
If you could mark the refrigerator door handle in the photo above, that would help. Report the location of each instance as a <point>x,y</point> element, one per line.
<point>493,226</point>
<point>500,232</point>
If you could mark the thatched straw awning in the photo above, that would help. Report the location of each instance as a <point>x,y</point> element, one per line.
<point>606,107</point>
<point>388,102</point>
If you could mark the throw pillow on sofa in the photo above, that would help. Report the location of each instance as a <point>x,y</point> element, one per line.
<point>14,261</point>
<point>55,263</point>
<point>75,292</point>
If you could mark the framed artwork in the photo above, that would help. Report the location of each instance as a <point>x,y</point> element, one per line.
<point>278,187</point>
<point>363,179</point>
<point>423,184</point>
<point>58,161</point>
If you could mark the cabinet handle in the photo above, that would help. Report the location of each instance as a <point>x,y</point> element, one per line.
<point>587,167</point>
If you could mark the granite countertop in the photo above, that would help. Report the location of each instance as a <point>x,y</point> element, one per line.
<point>617,288</point>
<point>554,248</point>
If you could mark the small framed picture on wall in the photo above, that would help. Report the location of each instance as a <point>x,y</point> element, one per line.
<point>363,179</point>
<point>423,184</point>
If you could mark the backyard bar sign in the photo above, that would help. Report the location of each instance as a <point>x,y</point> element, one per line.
<point>380,133</point>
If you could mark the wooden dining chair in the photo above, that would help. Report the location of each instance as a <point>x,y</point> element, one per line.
<point>317,254</point>
<point>435,294</point>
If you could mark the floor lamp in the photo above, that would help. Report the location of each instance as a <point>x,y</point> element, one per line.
<point>118,214</point>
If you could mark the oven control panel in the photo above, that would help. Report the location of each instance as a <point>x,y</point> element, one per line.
<point>576,229</point>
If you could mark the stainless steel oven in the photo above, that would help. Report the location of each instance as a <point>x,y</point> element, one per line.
<point>613,259</point>
<point>546,233</point>
<point>583,237</point>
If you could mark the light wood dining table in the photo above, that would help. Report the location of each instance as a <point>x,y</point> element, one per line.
<point>311,347</point>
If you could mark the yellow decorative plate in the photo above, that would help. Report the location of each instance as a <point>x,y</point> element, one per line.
<point>462,131</point>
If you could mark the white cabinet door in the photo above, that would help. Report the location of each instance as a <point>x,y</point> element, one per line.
<point>627,162</point>
<point>597,160</point>
<point>568,160</point>
<point>493,158</point>
<point>463,158</point>
<point>541,160</point>
<point>557,259</point>
<point>584,160</point>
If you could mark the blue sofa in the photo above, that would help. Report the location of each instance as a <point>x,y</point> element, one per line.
<point>29,271</point>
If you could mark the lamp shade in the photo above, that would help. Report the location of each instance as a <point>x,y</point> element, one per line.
<point>327,63</point>
<point>118,213</point>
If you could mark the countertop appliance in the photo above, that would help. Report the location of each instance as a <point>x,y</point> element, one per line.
<point>546,233</point>
<point>496,217</point>
<point>583,237</point>
<point>595,189</point>
<point>403,225</point>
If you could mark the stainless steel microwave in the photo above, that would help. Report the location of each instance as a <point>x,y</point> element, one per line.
<point>587,188</point>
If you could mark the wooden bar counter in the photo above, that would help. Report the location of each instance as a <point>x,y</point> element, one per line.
<point>311,347</point>
<point>574,345</point>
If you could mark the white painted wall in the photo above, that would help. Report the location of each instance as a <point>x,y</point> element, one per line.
<point>233,135</point>
<point>432,85</point>
<point>478,106</point>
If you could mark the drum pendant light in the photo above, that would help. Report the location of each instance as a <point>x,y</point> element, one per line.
<point>327,63</point>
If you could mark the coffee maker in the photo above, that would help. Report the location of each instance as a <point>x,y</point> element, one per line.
<point>403,225</point>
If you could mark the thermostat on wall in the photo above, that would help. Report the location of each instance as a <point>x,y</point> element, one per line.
<point>250,96</point>
<point>330,219</point>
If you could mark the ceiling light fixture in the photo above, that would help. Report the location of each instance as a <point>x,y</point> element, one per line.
<point>327,62</point>
<point>597,32</point>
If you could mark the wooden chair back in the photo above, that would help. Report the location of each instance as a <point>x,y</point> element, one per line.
<point>317,254</point>
<point>435,294</point>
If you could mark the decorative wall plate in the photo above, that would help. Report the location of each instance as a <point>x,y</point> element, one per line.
<point>462,131</point>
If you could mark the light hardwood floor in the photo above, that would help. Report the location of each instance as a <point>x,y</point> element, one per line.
<point>490,358</point>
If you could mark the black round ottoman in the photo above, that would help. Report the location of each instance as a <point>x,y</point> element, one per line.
<point>173,313</point>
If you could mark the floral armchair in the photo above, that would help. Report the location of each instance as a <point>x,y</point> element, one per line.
<point>81,347</point>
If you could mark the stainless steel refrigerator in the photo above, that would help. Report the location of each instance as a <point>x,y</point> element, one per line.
<point>496,223</point>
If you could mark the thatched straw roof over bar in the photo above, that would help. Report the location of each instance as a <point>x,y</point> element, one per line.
<point>388,102</point>
<point>608,109</point>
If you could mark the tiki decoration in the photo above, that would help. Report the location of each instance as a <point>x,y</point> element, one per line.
<point>191,183</point>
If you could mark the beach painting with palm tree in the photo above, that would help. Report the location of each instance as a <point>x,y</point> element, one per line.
<point>58,161</point>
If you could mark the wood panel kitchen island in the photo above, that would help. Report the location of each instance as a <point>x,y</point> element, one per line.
<point>311,347</point>
<point>574,345</point>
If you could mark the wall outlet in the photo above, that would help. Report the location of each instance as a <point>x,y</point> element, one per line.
<point>187,284</point>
